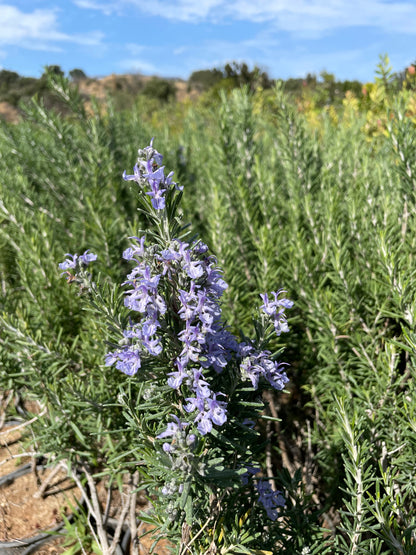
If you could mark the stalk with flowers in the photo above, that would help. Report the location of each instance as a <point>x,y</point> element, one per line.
<point>192,391</point>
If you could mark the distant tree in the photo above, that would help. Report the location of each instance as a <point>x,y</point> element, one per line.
<point>7,78</point>
<point>204,79</point>
<point>76,75</point>
<point>14,87</point>
<point>242,75</point>
<point>161,89</point>
<point>52,70</point>
<point>311,80</point>
<point>232,75</point>
<point>355,87</point>
<point>329,86</point>
<point>294,86</point>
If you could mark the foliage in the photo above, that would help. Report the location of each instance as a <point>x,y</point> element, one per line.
<point>160,89</point>
<point>204,79</point>
<point>342,208</point>
<point>317,199</point>
<point>77,74</point>
<point>13,87</point>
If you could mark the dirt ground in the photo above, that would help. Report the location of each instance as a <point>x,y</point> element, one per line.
<point>24,513</point>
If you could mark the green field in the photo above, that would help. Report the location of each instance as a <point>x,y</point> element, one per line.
<point>317,200</point>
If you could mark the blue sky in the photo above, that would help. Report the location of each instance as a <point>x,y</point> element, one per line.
<point>172,38</point>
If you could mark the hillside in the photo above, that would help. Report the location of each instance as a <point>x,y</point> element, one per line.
<point>123,88</point>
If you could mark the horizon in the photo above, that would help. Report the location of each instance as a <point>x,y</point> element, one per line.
<point>172,39</point>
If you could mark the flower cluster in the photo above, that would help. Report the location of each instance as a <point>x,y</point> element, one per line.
<point>258,364</point>
<point>149,174</point>
<point>74,268</point>
<point>204,341</point>
<point>176,339</point>
<point>276,310</point>
<point>186,280</point>
<point>269,499</point>
<point>179,285</point>
<point>76,261</point>
<point>193,367</point>
<point>179,451</point>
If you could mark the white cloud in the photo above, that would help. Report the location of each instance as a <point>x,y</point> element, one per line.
<point>180,50</point>
<point>277,58</point>
<point>135,49</point>
<point>106,8</point>
<point>190,11</point>
<point>38,30</point>
<point>137,60</point>
<point>316,17</point>
<point>139,66</point>
<point>299,17</point>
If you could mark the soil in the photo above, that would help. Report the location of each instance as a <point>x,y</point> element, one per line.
<point>8,112</point>
<point>23,513</point>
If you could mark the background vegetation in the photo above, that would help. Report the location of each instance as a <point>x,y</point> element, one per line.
<point>307,185</point>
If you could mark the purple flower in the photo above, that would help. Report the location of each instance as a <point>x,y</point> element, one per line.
<point>269,499</point>
<point>135,177</point>
<point>75,260</point>
<point>152,344</point>
<point>173,428</point>
<point>200,386</point>
<point>276,377</point>
<point>216,284</point>
<point>68,263</point>
<point>158,200</point>
<point>258,364</point>
<point>156,177</point>
<point>87,257</point>
<point>149,281</point>
<point>137,299</point>
<point>195,403</point>
<point>127,360</point>
<point>149,174</point>
<point>134,250</point>
<point>204,425</point>
<point>192,267</point>
<point>209,411</point>
<point>143,297</point>
<point>275,310</point>
<point>251,371</point>
<point>250,471</point>
<point>176,378</point>
<point>188,301</point>
<point>199,247</point>
<point>217,410</point>
<point>151,153</point>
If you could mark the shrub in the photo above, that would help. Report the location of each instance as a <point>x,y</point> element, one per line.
<point>160,89</point>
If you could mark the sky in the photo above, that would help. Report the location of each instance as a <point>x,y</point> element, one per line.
<point>173,38</point>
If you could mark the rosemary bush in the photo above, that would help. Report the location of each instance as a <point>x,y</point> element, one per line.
<point>327,211</point>
<point>193,384</point>
<point>331,216</point>
<point>184,378</point>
